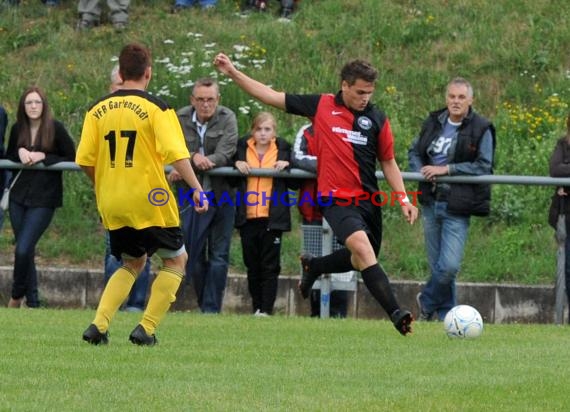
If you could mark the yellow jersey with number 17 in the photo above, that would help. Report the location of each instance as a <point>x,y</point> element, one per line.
<point>128,137</point>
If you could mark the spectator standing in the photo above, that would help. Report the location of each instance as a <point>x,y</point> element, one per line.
<point>211,134</point>
<point>90,14</point>
<point>351,135</point>
<point>560,167</point>
<point>286,10</point>
<point>303,158</point>
<point>453,141</point>
<point>127,137</point>
<point>258,5</point>
<point>180,5</point>
<point>137,297</point>
<point>3,173</point>
<point>36,137</point>
<point>261,221</point>
<point>49,3</point>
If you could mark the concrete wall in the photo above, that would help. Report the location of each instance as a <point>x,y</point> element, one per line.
<point>497,303</point>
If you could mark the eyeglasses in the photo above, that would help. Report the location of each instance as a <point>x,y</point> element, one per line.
<point>30,102</point>
<point>203,100</point>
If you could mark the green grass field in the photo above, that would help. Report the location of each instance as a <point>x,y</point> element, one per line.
<point>243,363</point>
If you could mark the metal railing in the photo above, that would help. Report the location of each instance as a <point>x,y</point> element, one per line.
<point>408,176</point>
<point>302,174</point>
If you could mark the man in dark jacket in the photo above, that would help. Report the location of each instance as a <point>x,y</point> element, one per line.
<point>452,141</point>
<point>3,127</point>
<point>211,135</point>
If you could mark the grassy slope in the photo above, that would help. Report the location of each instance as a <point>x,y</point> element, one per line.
<point>511,51</point>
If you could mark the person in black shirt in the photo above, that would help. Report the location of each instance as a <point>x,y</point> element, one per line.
<point>352,136</point>
<point>3,127</point>
<point>36,137</point>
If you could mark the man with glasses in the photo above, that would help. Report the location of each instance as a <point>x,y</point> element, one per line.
<point>211,134</point>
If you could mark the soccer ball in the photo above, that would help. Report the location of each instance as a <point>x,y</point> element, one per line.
<point>463,321</point>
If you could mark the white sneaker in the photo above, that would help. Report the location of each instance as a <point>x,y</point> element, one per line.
<point>261,314</point>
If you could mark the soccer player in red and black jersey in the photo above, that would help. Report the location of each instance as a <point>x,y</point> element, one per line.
<point>351,134</point>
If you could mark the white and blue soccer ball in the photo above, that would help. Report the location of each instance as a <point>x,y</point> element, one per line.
<point>463,321</point>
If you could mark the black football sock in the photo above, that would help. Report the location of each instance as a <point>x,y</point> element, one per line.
<point>377,283</point>
<point>336,262</point>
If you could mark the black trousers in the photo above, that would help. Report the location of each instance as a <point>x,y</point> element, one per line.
<point>338,303</point>
<point>261,249</point>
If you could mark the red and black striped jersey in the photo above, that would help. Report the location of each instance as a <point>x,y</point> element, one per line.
<point>347,142</point>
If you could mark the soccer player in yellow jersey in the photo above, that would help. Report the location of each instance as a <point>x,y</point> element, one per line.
<point>127,138</point>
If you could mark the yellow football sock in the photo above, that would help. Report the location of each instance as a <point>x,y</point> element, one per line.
<point>115,293</point>
<point>162,295</point>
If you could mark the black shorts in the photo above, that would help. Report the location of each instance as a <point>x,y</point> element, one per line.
<point>346,219</point>
<point>136,242</point>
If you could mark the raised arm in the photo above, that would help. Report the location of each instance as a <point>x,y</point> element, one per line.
<point>257,90</point>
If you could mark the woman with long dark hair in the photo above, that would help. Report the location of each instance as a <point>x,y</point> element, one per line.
<point>36,137</point>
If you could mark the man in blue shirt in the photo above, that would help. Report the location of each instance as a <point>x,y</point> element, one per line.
<point>453,141</point>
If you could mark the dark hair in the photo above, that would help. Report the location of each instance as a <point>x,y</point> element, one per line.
<point>46,133</point>
<point>358,69</point>
<point>133,61</point>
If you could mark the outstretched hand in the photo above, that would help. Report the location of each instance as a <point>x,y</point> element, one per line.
<point>223,63</point>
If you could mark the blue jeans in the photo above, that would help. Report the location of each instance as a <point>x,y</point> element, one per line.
<point>28,224</point>
<point>445,236</point>
<point>190,3</point>
<point>207,239</point>
<point>137,296</point>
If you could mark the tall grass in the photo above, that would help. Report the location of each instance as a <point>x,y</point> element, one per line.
<point>514,52</point>
<point>244,363</point>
